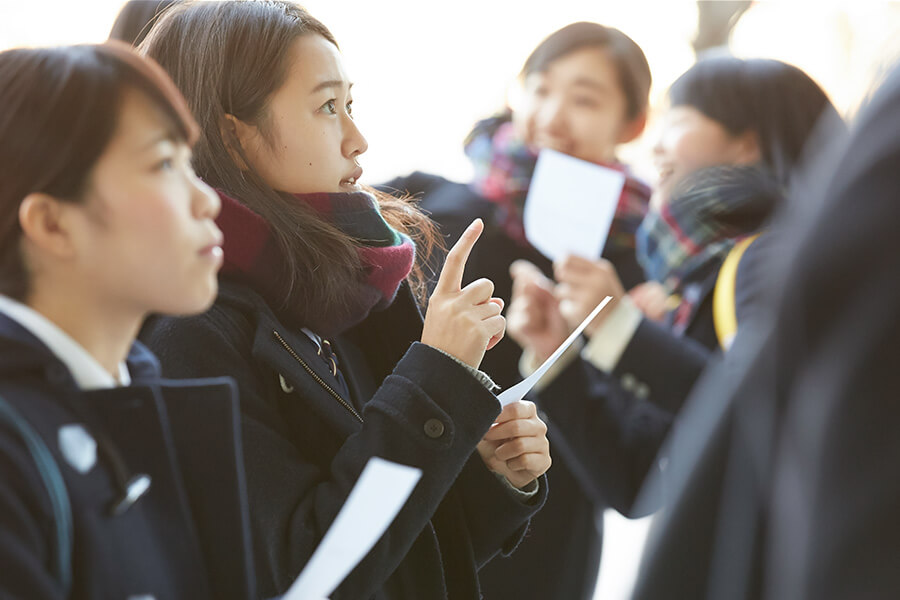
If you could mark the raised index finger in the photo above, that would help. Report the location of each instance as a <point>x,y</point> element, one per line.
<point>451,276</point>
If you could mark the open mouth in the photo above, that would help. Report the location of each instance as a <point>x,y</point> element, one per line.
<point>351,181</point>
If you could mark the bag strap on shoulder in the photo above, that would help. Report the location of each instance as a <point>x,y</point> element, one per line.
<point>724,307</point>
<point>48,469</point>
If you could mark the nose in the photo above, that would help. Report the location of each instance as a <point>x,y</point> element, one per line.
<point>354,142</point>
<point>205,202</point>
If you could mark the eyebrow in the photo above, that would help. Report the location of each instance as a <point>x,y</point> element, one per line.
<point>590,83</point>
<point>165,136</point>
<point>331,83</point>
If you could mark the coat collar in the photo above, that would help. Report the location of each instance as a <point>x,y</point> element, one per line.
<point>21,352</point>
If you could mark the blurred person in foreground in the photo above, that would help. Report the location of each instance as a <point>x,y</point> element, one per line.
<point>783,466</point>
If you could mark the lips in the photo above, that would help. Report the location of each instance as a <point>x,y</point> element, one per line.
<point>213,249</point>
<point>351,180</point>
<point>664,173</point>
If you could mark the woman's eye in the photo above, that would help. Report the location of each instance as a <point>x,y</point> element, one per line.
<point>330,107</point>
<point>350,108</point>
<point>586,102</point>
<point>166,164</point>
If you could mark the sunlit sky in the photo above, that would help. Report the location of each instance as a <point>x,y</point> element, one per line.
<point>425,71</point>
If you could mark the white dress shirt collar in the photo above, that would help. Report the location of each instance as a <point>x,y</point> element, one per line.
<point>87,372</point>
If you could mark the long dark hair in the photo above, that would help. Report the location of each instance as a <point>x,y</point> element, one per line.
<point>230,58</point>
<point>136,19</point>
<point>778,102</point>
<point>58,112</point>
<point>624,53</point>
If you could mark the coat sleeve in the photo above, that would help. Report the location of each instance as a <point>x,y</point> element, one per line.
<point>298,479</point>
<point>664,364</point>
<point>497,520</point>
<point>25,525</point>
<point>609,438</point>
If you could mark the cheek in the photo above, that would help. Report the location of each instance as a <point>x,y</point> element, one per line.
<point>694,150</point>
<point>523,122</point>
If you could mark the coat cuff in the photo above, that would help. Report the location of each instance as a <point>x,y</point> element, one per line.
<point>482,377</point>
<point>609,341</point>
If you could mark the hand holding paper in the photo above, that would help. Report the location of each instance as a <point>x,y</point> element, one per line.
<point>582,283</point>
<point>516,445</point>
<point>518,391</point>
<point>533,319</point>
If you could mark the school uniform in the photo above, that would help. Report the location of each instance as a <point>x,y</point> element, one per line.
<point>315,409</point>
<point>152,474</point>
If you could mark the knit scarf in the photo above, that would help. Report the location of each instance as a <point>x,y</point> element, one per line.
<point>504,165</point>
<point>253,258</point>
<point>707,214</point>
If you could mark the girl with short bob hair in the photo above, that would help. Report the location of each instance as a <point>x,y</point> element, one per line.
<point>106,487</point>
<point>316,320</point>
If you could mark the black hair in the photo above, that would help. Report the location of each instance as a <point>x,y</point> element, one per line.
<point>58,111</point>
<point>776,101</point>
<point>136,18</point>
<point>627,57</point>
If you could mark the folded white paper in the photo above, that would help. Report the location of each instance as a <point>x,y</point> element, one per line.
<point>570,205</point>
<point>379,494</point>
<point>518,391</point>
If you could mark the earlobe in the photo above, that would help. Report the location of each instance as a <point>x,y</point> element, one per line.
<point>749,151</point>
<point>633,129</point>
<point>44,224</point>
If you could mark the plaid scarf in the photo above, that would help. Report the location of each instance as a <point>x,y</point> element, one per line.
<point>504,165</point>
<point>711,210</point>
<point>252,257</point>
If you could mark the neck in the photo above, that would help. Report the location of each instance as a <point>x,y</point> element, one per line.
<point>104,330</point>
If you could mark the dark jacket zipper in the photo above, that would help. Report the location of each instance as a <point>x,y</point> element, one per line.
<point>315,376</point>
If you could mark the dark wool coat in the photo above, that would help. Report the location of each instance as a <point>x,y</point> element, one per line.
<point>186,537</point>
<point>306,443</point>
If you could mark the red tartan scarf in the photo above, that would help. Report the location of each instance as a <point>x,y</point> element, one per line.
<point>253,258</point>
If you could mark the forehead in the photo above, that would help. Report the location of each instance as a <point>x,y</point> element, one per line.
<point>591,64</point>
<point>313,59</point>
<point>139,121</point>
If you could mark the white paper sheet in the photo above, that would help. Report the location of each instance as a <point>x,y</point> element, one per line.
<point>379,494</point>
<point>518,391</point>
<point>570,205</point>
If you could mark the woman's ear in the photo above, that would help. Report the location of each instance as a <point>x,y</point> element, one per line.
<point>748,151</point>
<point>46,224</point>
<point>633,129</point>
<point>236,135</point>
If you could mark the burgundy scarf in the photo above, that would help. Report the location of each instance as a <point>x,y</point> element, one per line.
<point>253,258</point>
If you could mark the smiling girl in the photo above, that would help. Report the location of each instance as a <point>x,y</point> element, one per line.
<point>316,320</point>
<point>106,487</point>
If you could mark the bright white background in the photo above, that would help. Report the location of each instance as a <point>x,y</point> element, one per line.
<point>425,71</point>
